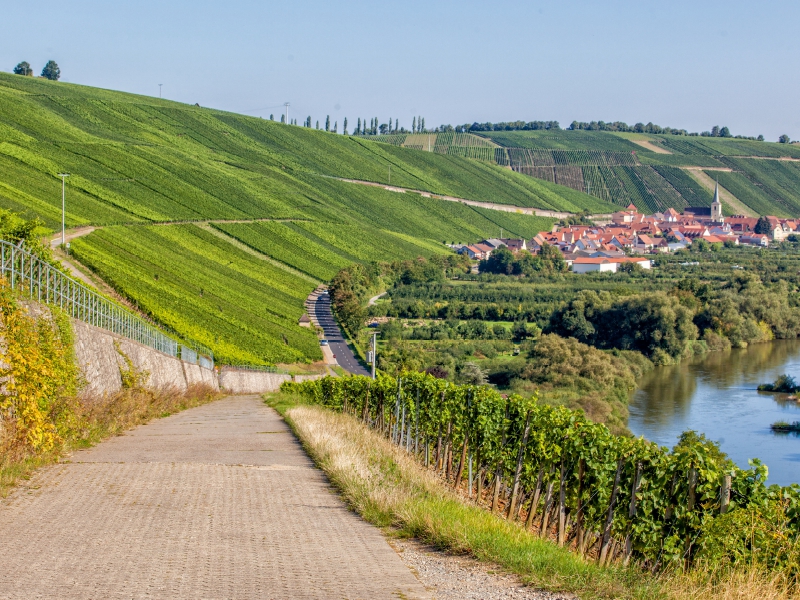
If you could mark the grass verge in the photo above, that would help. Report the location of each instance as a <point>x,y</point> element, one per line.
<point>390,489</point>
<point>87,421</point>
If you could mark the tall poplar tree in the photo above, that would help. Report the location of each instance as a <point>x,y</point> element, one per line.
<point>328,123</point>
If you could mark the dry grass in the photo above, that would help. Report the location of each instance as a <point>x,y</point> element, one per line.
<point>749,584</point>
<point>86,421</point>
<point>390,489</point>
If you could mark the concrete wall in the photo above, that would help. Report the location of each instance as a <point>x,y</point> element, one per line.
<point>235,381</point>
<point>301,378</point>
<point>100,363</point>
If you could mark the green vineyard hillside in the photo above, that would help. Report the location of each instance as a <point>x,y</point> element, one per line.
<point>654,172</point>
<point>219,225</point>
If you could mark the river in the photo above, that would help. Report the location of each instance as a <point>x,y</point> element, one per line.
<point>716,395</point>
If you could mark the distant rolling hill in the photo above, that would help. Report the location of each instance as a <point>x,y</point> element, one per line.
<point>654,172</point>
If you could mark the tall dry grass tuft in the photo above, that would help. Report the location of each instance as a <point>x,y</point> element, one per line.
<point>85,421</point>
<point>744,584</point>
<point>389,488</point>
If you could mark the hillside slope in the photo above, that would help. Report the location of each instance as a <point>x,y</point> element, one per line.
<point>219,225</point>
<point>652,171</point>
<point>135,158</point>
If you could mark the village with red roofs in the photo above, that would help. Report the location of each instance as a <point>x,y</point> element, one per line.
<point>629,235</point>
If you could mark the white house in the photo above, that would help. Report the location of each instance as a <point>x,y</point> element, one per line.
<point>588,265</point>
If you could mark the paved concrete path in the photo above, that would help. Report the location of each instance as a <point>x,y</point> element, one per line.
<point>218,501</point>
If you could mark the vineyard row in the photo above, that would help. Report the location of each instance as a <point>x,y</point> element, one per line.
<point>608,497</point>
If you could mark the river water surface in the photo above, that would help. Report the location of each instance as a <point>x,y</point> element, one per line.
<point>717,395</point>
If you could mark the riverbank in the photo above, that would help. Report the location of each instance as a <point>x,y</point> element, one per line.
<point>717,394</point>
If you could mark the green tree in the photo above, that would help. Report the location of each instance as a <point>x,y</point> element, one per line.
<point>396,125</point>
<point>23,68</point>
<point>358,126</point>
<point>51,71</point>
<point>500,261</point>
<point>760,138</point>
<point>725,132</point>
<point>414,125</point>
<point>271,117</point>
<point>335,126</point>
<point>763,226</point>
<point>317,123</point>
<point>345,126</point>
<point>328,123</point>
<point>715,131</point>
<point>784,139</point>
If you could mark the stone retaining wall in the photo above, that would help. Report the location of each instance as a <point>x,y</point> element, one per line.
<point>241,381</point>
<point>99,354</point>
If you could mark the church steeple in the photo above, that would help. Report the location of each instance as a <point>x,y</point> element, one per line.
<point>716,206</point>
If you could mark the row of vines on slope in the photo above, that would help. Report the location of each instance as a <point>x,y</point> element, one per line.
<point>609,497</point>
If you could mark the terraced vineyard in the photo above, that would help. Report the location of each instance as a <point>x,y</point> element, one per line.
<point>242,307</point>
<point>616,169</point>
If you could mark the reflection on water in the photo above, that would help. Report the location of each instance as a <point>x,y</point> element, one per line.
<point>717,395</point>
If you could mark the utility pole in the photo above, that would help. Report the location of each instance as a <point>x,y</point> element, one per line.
<point>63,206</point>
<point>159,89</point>
<point>374,351</point>
<point>286,104</point>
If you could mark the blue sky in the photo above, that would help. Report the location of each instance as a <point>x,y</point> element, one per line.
<point>682,64</point>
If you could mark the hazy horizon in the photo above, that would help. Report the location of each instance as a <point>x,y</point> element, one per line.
<point>684,65</point>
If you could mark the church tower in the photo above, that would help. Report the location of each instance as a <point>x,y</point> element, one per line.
<point>716,207</point>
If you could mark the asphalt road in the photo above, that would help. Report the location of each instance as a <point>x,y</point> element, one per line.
<point>344,355</point>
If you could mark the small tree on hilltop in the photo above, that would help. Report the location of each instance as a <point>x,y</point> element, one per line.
<point>51,71</point>
<point>328,123</point>
<point>784,139</point>
<point>23,68</point>
<point>344,130</point>
<point>763,226</point>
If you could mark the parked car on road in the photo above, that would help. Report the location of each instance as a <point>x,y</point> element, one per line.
<point>323,342</point>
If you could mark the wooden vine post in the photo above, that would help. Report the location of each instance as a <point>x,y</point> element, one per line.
<point>637,479</point>
<point>548,502</point>
<point>416,424</point>
<point>562,505</point>
<point>535,500</point>
<point>365,409</point>
<point>691,501</point>
<point>498,472</point>
<point>725,495</point>
<point>579,512</point>
<point>520,456</point>
<point>610,516</point>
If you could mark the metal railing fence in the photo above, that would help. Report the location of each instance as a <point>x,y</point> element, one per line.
<point>42,282</point>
